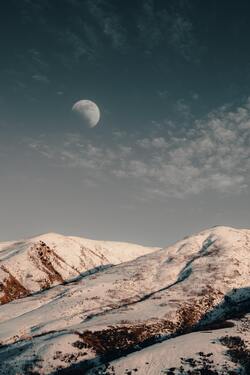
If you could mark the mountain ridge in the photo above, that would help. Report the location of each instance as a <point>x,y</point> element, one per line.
<point>92,323</point>
<point>39,262</point>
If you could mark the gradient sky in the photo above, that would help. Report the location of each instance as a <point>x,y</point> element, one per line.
<point>171,153</point>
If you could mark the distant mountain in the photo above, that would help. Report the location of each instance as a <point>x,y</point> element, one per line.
<point>179,310</point>
<point>40,262</point>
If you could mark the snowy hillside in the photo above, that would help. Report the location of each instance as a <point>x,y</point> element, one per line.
<point>210,352</point>
<point>35,264</point>
<point>179,296</point>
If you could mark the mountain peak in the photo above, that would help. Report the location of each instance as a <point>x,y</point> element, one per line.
<point>51,258</point>
<point>167,294</point>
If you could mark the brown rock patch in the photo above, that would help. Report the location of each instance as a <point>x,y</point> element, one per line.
<point>44,257</point>
<point>11,289</point>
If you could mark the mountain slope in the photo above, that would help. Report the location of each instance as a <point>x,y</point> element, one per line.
<point>38,263</point>
<point>210,352</point>
<point>193,285</point>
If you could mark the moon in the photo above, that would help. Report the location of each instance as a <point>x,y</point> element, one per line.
<point>88,111</point>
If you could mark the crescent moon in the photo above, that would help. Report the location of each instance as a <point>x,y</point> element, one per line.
<point>88,111</point>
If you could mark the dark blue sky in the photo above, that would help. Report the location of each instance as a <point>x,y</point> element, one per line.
<point>170,154</point>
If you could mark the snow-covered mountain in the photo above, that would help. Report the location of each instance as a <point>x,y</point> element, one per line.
<point>179,309</point>
<point>40,262</point>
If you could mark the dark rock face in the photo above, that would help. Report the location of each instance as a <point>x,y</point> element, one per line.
<point>11,288</point>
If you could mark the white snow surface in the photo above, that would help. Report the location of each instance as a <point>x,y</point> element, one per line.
<point>203,347</point>
<point>162,293</point>
<point>69,258</point>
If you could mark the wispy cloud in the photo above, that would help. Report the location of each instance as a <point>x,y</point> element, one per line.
<point>93,28</point>
<point>213,155</point>
<point>170,27</point>
<point>182,37</point>
<point>41,78</point>
<point>78,44</point>
<point>34,10</point>
<point>27,68</point>
<point>109,21</point>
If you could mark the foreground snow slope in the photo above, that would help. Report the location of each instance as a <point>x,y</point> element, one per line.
<point>95,319</point>
<point>206,353</point>
<point>37,263</point>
